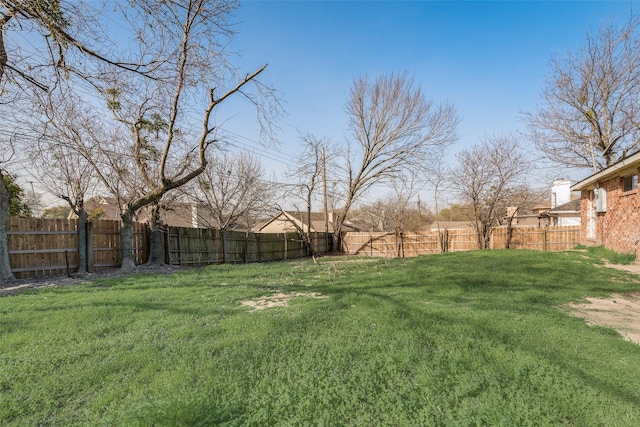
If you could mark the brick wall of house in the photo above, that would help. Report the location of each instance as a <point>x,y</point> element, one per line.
<point>619,227</point>
<point>584,225</point>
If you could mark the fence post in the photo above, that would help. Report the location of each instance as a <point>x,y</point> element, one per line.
<point>286,250</point>
<point>179,246</point>
<point>246,246</point>
<point>370,244</point>
<point>90,254</point>
<point>258,247</point>
<point>223,245</point>
<point>167,244</point>
<point>544,240</point>
<point>327,241</point>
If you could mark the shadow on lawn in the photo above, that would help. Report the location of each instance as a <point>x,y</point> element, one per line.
<point>182,412</point>
<point>432,325</point>
<point>456,304</point>
<point>443,305</point>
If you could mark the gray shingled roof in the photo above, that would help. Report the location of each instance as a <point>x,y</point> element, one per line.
<point>572,206</point>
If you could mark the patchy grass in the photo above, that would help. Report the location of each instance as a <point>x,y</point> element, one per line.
<point>609,255</point>
<point>474,338</point>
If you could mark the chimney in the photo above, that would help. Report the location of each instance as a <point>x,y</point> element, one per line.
<point>194,215</point>
<point>560,192</point>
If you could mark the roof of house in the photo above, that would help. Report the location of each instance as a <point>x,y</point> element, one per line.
<point>176,215</point>
<point>624,166</point>
<point>103,208</point>
<point>540,209</point>
<point>452,225</point>
<point>317,221</point>
<point>570,207</point>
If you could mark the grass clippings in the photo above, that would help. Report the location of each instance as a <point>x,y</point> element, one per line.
<point>277,300</point>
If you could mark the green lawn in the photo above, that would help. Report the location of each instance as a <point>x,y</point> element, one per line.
<point>475,338</point>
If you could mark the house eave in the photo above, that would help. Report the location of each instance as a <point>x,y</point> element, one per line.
<point>607,173</point>
<point>556,213</point>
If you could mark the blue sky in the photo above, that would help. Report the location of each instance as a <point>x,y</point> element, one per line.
<point>489,59</point>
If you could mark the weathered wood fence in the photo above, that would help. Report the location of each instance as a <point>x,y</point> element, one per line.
<point>201,246</point>
<point>48,247</point>
<point>395,245</point>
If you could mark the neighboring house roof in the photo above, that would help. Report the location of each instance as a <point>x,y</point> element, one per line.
<point>540,209</point>
<point>301,220</point>
<point>452,225</point>
<point>623,167</point>
<point>572,207</point>
<point>105,208</point>
<point>187,215</point>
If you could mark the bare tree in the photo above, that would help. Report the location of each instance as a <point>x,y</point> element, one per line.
<point>405,187</point>
<point>439,179</point>
<point>6,155</point>
<point>42,42</point>
<point>69,35</point>
<point>234,188</point>
<point>165,152</point>
<point>519,200</point>
<point>590,112</point>
<point>318,154</point>
<point>395,128</point>
<point>485,178</point>
<point>386,215</point>
<point>59,157</point>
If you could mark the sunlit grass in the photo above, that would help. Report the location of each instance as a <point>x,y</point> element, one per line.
<point>478,338</point>
<point>609,255</point>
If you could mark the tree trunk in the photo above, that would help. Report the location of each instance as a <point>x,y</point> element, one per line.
<point>309,225</point>
<point>483,236</point>
<point>126,241</point>
<point>5,267</point>
<point>509,233</point>
<point>3,52</point>
<point>486,233</point>
<point>155,238</point>
<point>336,240</point>
<point>82,240</point>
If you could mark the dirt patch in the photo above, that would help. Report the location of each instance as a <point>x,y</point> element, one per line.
<point>277,300</point>
<point>620,311</point>
<point>20,285</point>
<point>631,268</point>
<point>351,261</point>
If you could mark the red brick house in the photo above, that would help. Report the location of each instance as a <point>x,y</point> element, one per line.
<point>610,207</point>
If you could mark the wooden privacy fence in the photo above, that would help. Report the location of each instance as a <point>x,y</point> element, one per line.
<point>48,247</point>
<point>42,247</point>
<point>393,245</point>
<point>199,246</point>
<point>537,239</point>
<point>105,241</point>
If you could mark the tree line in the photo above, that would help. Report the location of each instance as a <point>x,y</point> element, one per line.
<point>132,113</point>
